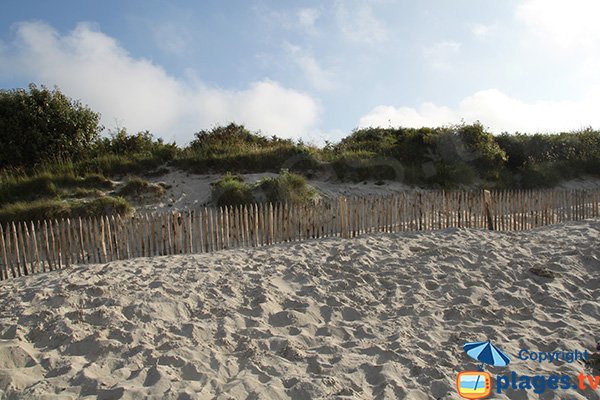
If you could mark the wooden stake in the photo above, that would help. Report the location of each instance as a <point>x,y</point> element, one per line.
<point>24,254</point>
<point>4,270</point>
<point>36,253</point>
<point>487,198</point>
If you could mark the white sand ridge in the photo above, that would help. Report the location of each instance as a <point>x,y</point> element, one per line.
<point>380,316</point>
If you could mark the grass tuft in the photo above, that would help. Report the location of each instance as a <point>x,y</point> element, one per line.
<point>231,190</point>
<point>56,209</point>
<point>140,189</point>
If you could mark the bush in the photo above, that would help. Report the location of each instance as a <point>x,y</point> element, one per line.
<point>452,175</point>
<point>533,176</point>
<point>93,180</point>
<point>451,151</point>
<point>140,189</point>
<point>287,187</point>
<point>41,125</point>
<point>360,165</point>
<point>231,190</point>
<point>115,165</point>
<point>141,146</point>
<point>234,148</point>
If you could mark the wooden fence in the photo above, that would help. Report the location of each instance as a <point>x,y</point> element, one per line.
<point>32,247</point>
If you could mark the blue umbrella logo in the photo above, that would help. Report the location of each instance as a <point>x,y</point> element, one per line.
<point>486,353</point>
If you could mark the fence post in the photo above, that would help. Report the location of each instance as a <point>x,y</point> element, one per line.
<point>344,218</point>
<point>487,200</point>
<point>17,252</point>
<point>4,271</point>
<point>36,252</point>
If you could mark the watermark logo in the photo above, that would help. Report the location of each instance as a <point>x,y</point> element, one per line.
<point>474,384</point>
<point>478,384</point>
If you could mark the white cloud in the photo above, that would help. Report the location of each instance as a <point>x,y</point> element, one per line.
<point>317,76</point>
<point>93,67</point>
<point>563,24</point>
<point>440,54</point>
<point>482,31</point>
<point>566,30</point>
<point>428,114</point>
<point>358,23</point>
<point>307,17</point>
<point>265,106</point>
<point>497,111</point>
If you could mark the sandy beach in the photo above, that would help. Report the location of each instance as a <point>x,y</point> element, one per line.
<point>380,316</point>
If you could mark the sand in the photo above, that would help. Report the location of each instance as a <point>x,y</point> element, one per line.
<point>185,190</point>
<point>381,316</point>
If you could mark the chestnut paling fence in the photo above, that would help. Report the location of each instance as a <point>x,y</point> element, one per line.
<point>32,247</point>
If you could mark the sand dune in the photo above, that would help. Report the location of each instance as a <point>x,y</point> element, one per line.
<point>193,190</point>
<point>380,316</point>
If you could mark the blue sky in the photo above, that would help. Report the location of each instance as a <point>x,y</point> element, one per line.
<point>312,69</point>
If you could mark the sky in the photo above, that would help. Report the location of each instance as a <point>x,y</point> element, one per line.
<point>314,70</point>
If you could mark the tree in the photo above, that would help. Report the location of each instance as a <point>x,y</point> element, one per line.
<point>42,125</point>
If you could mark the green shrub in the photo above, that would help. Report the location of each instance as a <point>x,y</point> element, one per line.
<point>452,175</point>
<point>360,165</point>
<point>234,148</point>
<point>40,125</point>
<point>140,189</point>
<point>231,190</point>
<point>287,187</point>
<point>533,176</point>
<point>410,155</point>
<point>115,165</point>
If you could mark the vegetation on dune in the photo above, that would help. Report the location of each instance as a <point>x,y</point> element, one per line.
<point>53,157</point>
<point>287,187</point>
<point>47,185</point>
<point>140,190</point>
<point>445,156</point>
<point>233,147</point>
<point>42,125</point>
<point>56,209</point>
<point>231,190</point>
<point>545,160</point>
<point>47,195</point>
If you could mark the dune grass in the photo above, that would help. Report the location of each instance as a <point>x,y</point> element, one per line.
<point>139,189</point>
<point>56,209</point>
<point>231,190</point>
<point>287,187</point>
<point>19,188</point>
